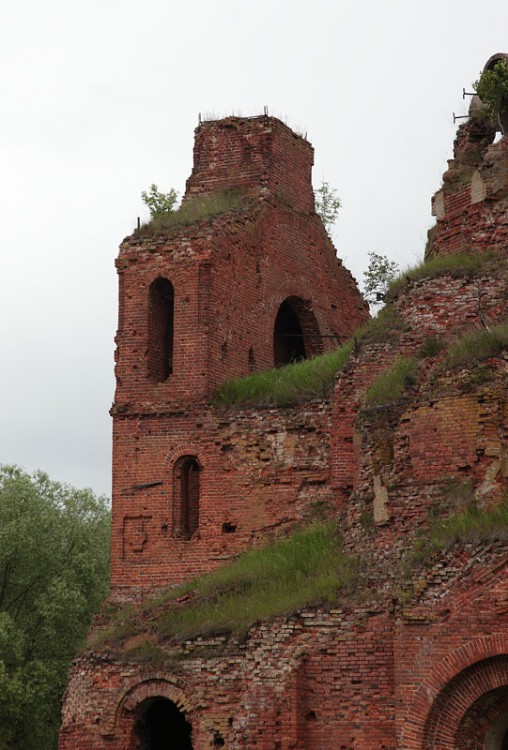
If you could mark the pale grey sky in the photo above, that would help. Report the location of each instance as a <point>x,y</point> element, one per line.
<point>100,99</point>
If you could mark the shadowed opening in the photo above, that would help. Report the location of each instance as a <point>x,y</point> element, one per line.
<point>160,329</point>
<point>162,726</point>
<point>296,333</point>
<point>186,497</point>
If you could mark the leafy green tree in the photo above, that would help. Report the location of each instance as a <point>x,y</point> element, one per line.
<point>54,563</point>
<point>377,277</point>
<point>492,88</point>
<point>327,204</point>
<point>159,203</point>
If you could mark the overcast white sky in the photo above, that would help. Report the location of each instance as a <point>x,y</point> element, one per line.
<point>100,98</point>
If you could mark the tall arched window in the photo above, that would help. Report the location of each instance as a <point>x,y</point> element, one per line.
<point>186,497</point>
<point>296,333</point>
<point>160,329</point>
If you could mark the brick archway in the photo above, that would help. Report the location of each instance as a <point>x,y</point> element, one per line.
<point>423,711</point>
<point>155,687</point>
<point>467,693</point>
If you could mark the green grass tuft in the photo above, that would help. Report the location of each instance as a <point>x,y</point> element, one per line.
<point>385,326</point>
<point>432,346</point>
<point>391,384</point>
<point>281,578</point>
<point>306,569</point>
<point>442,265</point>
<point>283,386</point>
<point>475,346</point>
<point>471,525</point>
<point>192,210</point>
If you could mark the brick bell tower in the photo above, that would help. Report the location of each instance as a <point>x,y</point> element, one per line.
<point>247,289</point>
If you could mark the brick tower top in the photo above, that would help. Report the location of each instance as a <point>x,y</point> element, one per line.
<point>471,207</point>
<point>254,155</point>
<point>248,288</point>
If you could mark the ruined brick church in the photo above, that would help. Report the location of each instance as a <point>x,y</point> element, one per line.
<point>418,659</point>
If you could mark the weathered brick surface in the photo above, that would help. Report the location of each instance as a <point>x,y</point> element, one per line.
<point>418,657</point>
<point>262,472</point>
<point>472,207</point>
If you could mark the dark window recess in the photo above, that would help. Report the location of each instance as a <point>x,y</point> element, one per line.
<point>186,497</point>
<point>296,334</point>
<point>161,298</point>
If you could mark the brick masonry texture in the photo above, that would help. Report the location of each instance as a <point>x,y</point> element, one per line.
<point>417,657</point>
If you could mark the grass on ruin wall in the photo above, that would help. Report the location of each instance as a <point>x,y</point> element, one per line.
<point>192,210</point>
<point>475,346</point>
<point>459,266</point>
<point>469,525</point>
<point>302,381</point>
<point>390,385</point>
<point>281,578</point>
<point>278,579</point>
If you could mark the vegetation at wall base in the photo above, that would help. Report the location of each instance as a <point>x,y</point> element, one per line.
<point>192,210</point>
<point>308,568</point>
<point>283,386</point>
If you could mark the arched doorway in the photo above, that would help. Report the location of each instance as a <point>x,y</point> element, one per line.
<point>296,334</point>
<point>161,726</point>
<point>471,713</point>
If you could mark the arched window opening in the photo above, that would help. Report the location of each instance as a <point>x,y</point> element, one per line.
<point>296,333</point>
<point>186,497</point>
<point>160,330</point>
<point>161,725</point>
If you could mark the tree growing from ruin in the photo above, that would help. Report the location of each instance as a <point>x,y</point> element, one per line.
<point>492,88</point>
<point>327,204</point>
<point>158,203</point>
<point>54,563</point>
<point>376,279</point>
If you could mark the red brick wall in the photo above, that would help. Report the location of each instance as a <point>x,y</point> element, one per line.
<point>262,471</point>
<point>253,154</point>
<point>417,658</point>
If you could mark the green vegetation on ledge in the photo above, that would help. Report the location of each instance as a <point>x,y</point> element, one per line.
<point>390,385</point>
<point>283,386</point>
<point>475,346</point>
<point>279,579</point>
<point>192,210</point>
<point>469,525</point>
<point>442,265</point>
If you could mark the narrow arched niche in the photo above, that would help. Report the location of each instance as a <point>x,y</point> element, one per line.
<point>161,725</point>
<point>160,329</point>
<point>186,481</point>
<point>296,334</point>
